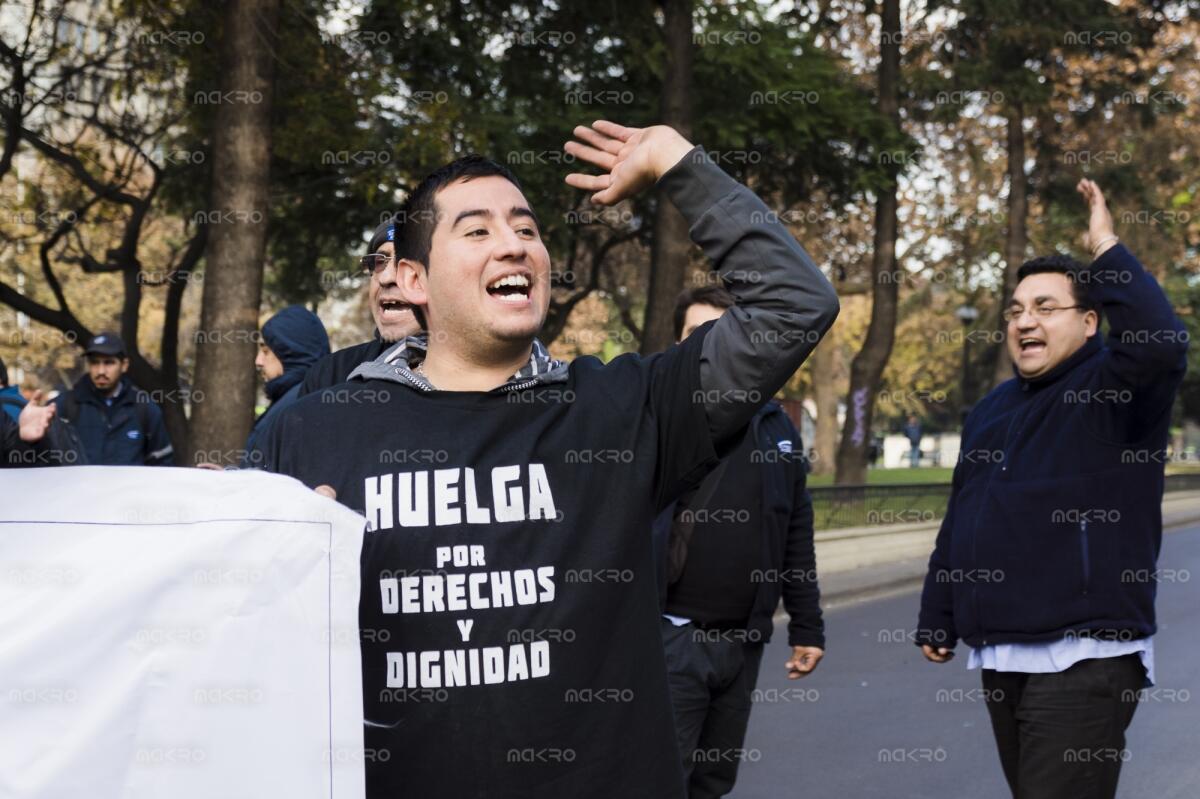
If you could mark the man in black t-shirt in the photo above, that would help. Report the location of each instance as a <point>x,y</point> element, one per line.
<point>509,612</point>
<point>728,551</point>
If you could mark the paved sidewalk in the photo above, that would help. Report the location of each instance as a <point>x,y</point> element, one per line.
<point>858,563</point>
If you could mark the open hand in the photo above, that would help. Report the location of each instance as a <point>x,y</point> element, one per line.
<point>35,419</point>
<point>1100,221</point>
<point>632,158</point>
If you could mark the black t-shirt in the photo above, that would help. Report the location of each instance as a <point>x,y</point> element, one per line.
<point>509,614</point>
<point>726,547</point>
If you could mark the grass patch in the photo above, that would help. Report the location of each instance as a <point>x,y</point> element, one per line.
<point>924,474</point>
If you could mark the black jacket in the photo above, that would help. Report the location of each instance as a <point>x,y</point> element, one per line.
<point>336,368</point>
<point>1055,516</point>
<point>15,453</point>
<point>328,371</point>
<point>788,563</point>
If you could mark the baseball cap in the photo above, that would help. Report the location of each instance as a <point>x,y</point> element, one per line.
<point>105,344</point>
<point>384,233</point>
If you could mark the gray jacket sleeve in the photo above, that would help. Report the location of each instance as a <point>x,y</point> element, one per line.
<point>784,304</point>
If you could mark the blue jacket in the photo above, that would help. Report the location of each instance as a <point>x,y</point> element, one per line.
<point>13,408</point>
<point>127,432</point>
<point>299,340</point>
<point>1055,521</point>
<point>788,563</point>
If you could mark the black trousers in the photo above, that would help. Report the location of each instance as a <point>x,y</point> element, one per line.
<point>712,675</point>
<point>1062,735</point>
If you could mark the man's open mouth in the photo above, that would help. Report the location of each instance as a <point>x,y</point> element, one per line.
<point>1032,346</point>
<point>393,306</point>
<point>510,288</point>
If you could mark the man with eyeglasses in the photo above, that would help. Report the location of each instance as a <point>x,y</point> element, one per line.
<point>394,320</point>
<point>1045,561</point>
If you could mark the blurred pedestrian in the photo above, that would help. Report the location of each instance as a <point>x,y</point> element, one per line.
<point>727,552</point>
<point>292,341</point>
<point>912,431</point>
<point>118,423</point>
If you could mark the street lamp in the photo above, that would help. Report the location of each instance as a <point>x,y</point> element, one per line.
<point>966,314</point>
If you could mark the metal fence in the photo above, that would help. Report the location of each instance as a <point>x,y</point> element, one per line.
<point>870,505</point>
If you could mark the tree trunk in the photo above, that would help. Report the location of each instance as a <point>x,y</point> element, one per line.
<point>866,370</point>
<point>226,342</point>
<point>825,395</point>
<point>1016,239</point>
<point>671,247</point>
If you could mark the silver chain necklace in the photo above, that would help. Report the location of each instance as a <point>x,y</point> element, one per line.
<point>421,371</point>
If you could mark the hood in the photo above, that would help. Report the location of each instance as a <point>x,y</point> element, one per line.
<point>397,365</point>
<point>297,337</point>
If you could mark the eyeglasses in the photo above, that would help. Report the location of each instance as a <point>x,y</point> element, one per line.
<point>1040,311</point>
<point>376,262</point>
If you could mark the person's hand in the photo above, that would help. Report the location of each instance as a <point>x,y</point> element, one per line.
<point>1100,221</point>
<point>939,655</point>
<point>632,158</point>
<point>803,660</point>
<point>326,491</point>
<point>35,418</point>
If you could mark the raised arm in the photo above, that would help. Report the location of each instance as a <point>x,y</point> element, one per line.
<point>1147,341</point>
<point>784,304</point>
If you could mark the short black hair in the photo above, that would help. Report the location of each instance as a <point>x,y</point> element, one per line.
<point>3,374</point>
<point>1075,272</point>
<point>418,214</point>
<point>714,295</point>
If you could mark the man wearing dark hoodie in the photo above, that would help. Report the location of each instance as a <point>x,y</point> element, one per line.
<point>393,317</point>
<point>292,341</point>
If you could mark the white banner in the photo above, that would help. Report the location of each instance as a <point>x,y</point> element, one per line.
<point>177,633</point>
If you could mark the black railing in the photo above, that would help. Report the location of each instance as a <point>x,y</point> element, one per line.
<point>870,505</point>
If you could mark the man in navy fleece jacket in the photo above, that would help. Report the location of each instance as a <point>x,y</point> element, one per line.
<point>1045,561</point>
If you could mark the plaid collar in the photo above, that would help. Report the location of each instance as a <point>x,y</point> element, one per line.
<point>402,360</point>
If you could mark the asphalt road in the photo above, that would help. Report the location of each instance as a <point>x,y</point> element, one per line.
<point>877,720</point>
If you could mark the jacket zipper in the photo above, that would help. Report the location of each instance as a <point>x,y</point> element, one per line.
<point>1087,564</point>
<point>519,386</point>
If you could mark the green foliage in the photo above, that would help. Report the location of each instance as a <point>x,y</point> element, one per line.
<point>329,160</point>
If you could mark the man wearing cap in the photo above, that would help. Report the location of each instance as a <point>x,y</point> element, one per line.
<point>394,320</point>
<point>119,424</point>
